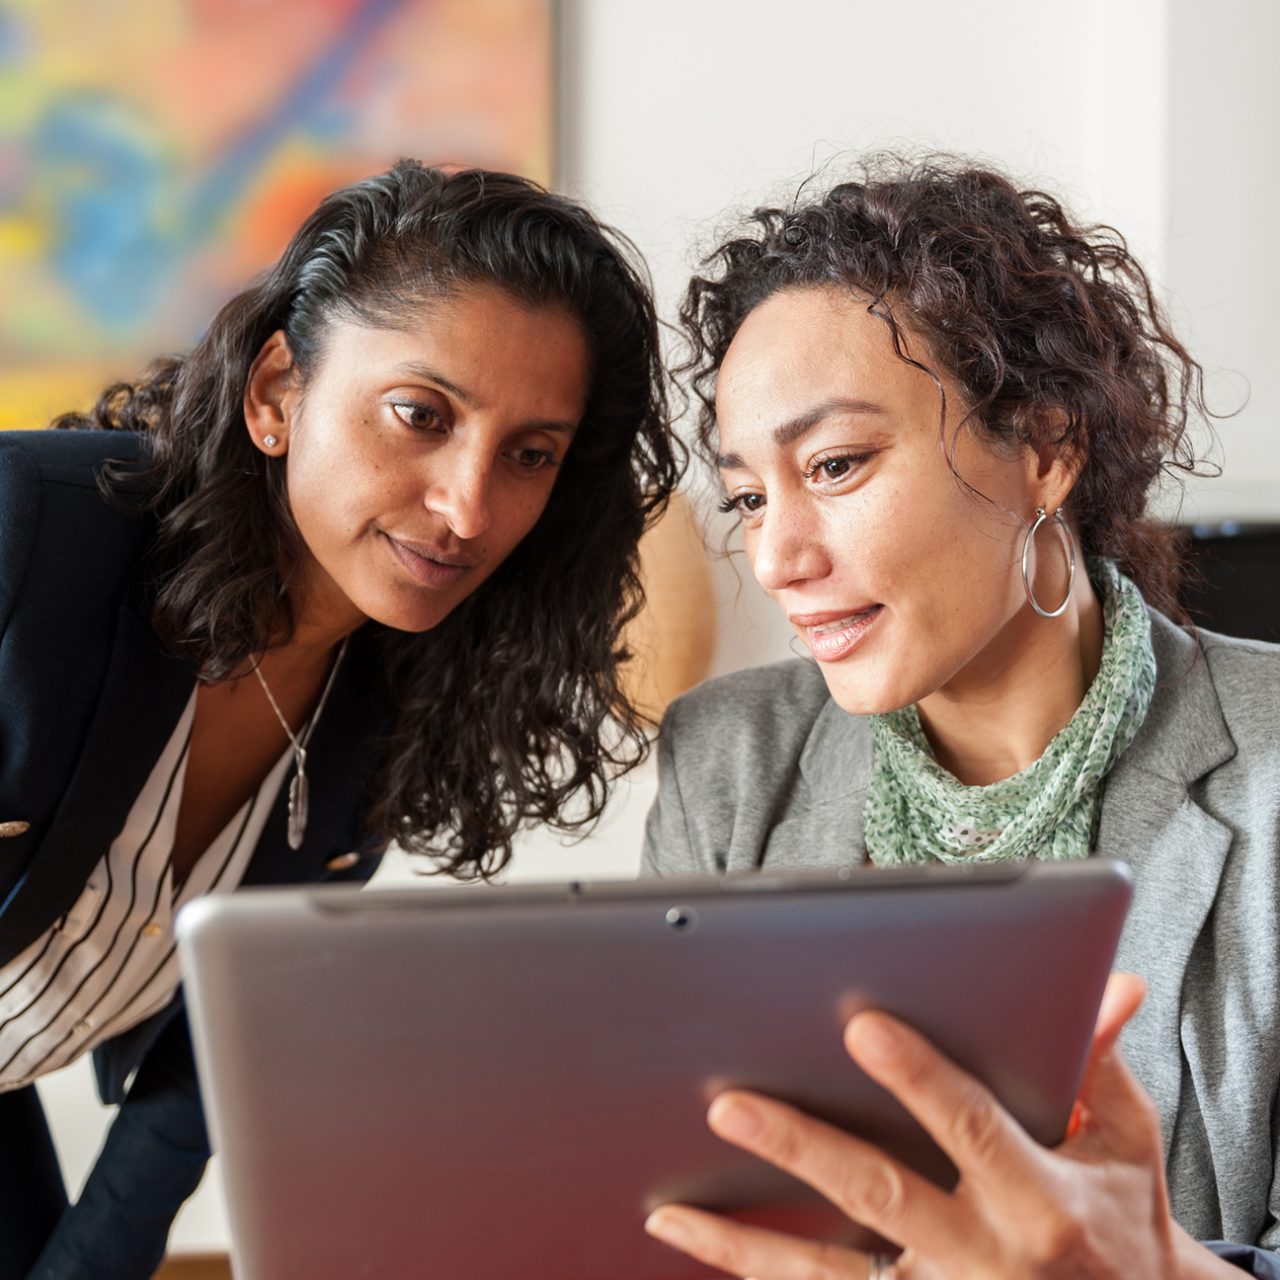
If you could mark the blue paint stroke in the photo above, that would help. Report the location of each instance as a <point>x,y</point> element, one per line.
<point>227,181</point>
<point>102,169</point>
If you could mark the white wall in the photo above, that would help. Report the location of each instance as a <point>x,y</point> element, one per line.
<point>1160,116</point>
<point>1222,256</point>
<point>677,110</point>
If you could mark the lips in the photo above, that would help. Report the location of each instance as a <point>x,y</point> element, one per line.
<point>832,636</point>
<point>429,566</point>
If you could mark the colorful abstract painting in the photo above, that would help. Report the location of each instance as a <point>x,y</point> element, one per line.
<point>155,154</point>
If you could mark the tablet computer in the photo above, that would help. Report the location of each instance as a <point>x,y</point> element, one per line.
<point>502,1082</point>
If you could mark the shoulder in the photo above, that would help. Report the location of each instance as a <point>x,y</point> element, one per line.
<point>1210,683</point>
<point>758,767</point>
<point>31,459</point>
<point>745,732</point>
<point>51,507</point>
<point>19,511</point>
<point>1211,726</point>
<point>776,704</point>
<point>1246,676</point>
<point>62,467</point>
<point>727,751</point>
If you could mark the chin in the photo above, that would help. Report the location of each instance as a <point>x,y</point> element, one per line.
<point>864,694</point>
<point>412,617</point>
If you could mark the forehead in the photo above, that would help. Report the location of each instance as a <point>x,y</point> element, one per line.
<point>805,346</point>
<point>464,316</point>
<point>480,337</point>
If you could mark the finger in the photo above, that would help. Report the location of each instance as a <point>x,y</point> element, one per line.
<point>751,1251</point>
<point>859,1179</point>
<point>1124,994</point>
<point>1120,1001</point>
<point>983,1141</point>
<point>1115,1109</point>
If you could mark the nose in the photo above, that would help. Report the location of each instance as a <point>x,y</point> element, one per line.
<point>458,491</point>
<point>786,548</point>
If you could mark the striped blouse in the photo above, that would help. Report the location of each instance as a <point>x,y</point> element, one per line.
<point>109,962</point>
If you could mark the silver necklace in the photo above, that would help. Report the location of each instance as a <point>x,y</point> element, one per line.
<point>297,827</point>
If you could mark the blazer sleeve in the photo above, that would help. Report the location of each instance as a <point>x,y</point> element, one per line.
<point>153,1159</point>
<point>1260,1263</point>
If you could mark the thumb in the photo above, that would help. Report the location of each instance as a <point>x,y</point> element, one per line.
<point>1120,1001</point>
<point>1109,1091</point>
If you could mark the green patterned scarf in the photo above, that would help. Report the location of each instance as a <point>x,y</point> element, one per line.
<point>917,812</point>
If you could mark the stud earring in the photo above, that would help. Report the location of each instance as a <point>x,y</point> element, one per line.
<point>270,441</point>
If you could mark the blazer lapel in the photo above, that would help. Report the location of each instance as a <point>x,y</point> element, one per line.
<point>143,695</point>
<point>1150,819</point>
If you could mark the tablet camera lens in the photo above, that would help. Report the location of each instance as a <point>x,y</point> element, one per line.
<point>680,919</point>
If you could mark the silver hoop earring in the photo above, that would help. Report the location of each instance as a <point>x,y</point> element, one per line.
<point>1041,517</point>
<point>270,441</point>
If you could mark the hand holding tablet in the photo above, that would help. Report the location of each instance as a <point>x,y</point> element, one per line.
<point>1019,1210</point>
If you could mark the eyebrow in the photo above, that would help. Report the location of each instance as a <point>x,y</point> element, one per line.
<point>416,369</point>
<point>796,428</point>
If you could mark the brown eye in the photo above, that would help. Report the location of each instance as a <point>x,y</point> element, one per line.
<point>836,466</point>
<point>419,416</point>
<point>534,459</point>
<point>744,504</point>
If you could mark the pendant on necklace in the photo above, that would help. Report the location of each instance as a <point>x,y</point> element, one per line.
<point>297,810</point>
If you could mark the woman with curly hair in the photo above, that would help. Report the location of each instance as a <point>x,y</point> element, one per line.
<point>938,406</point>
<point>353,570</point>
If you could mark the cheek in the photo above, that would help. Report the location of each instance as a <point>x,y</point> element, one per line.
<point>330,494</point>
<point>518,509</point>
<point>971,581</point>
<point>888,537</point>
<point>932,554</point>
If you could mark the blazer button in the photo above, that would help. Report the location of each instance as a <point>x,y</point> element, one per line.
<point>342,861</point>
<point>14,829</point>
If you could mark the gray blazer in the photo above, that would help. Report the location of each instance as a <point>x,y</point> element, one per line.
<point>762,767</point>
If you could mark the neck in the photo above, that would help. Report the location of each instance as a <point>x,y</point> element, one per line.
<point>999,714</point>
<point>322,616</point>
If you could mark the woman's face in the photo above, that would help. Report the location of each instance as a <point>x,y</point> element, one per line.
<point>418,457</point>
<point>899,580</point>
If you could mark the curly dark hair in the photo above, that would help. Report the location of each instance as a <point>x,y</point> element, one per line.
<point>1050,328</point>
<point>512,709</point>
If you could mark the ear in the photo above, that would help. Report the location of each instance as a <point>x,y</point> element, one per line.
<point>1054,465</point>
<point>270,396</point>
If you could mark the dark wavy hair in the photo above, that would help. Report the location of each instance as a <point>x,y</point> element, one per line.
<point>1050,328</point>
<point>511,710</point>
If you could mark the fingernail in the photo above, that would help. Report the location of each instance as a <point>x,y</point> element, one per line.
<point>734,1119</point>
<point>875,1041</point>
<point>669,1226</point>
<point>1075,1120</point>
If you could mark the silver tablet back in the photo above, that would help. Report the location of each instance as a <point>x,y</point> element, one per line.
<point>492,1083</point>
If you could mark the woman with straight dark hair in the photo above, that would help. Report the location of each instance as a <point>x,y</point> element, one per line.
<point>354,570</point>
<point>939,407</point>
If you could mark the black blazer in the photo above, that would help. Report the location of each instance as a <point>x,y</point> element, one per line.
<point>88,700</point>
